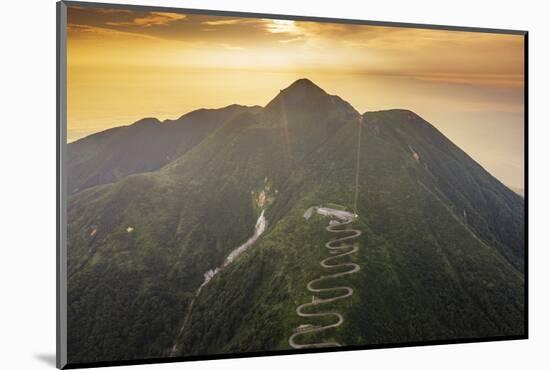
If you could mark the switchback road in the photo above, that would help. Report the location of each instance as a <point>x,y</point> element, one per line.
<point>340,248</point>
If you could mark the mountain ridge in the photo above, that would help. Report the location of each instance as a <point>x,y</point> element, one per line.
<point>109,155</point>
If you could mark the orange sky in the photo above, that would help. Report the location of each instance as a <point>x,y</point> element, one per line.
<point>125,65</point>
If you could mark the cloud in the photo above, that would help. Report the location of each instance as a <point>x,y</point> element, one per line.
<point>281,26</point>
<point>152,19</point>
<point>294,39</point>
<point>112,10</point>
<point>271,26</point>
<point>223,22</point>
<point>81,30</point>
<point>100,10</point>
<point>427,55</point>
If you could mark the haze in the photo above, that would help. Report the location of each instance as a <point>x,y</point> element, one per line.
<point>124,65</point>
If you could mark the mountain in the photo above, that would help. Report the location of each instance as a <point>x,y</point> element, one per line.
<point>441,246</point>
<point>519,191</point>
<point>144,146</point>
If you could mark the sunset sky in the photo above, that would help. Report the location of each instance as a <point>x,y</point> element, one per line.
<point>124,65</point>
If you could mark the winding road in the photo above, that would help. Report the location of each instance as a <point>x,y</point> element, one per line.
<point>341,249</point>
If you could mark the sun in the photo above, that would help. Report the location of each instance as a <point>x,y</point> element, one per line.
<point>281,26</point>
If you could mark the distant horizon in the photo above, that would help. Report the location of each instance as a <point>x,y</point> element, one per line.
<point>513,187</point>
<point>124,65</point>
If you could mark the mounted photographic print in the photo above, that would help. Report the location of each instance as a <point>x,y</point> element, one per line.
<point>236,184</point>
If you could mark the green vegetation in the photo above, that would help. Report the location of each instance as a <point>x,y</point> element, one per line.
<point>441,251</point>
<point>144,146</point>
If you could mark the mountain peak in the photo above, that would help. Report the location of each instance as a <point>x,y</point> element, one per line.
<point>303,85</point>
<point>149,121</point>
<point>304,95</point>
<point>301,92</point>
<point>303,82</point>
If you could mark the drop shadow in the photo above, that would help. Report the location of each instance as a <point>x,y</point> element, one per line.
<point>47,358</point>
